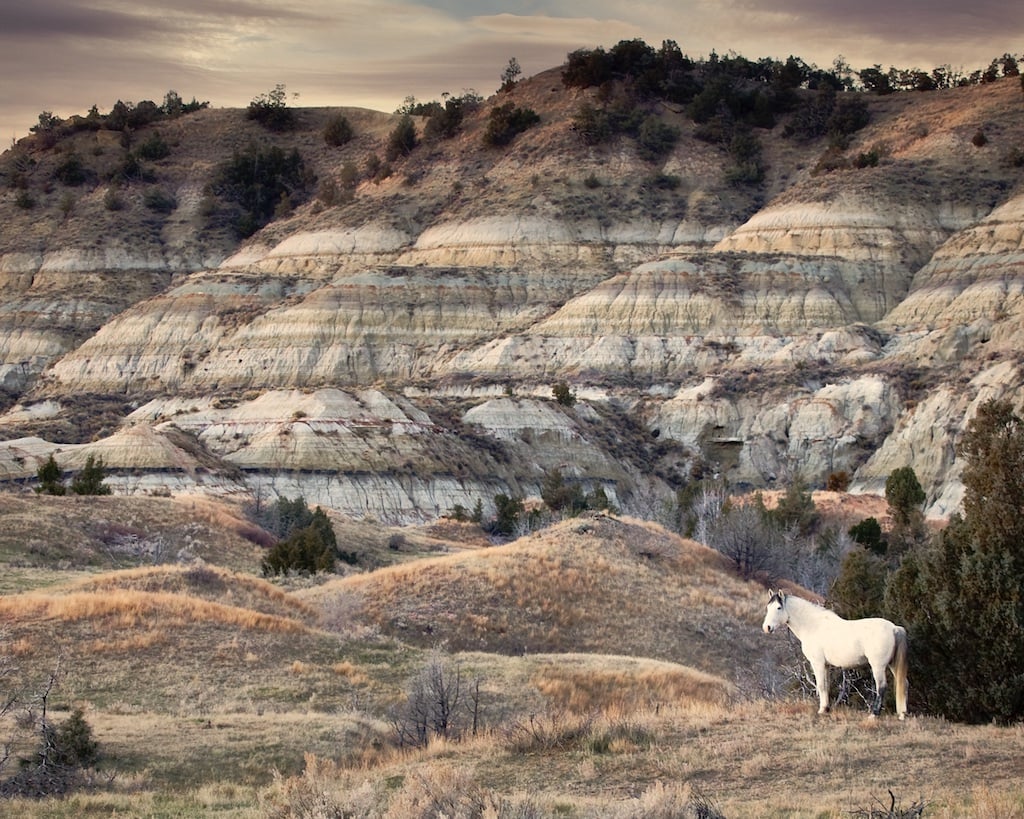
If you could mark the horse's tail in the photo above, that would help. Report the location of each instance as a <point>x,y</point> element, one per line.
<point>899,670</point>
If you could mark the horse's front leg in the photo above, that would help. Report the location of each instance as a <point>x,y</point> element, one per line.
<point>821,683</point>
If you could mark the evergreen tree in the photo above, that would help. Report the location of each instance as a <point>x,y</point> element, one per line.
<point>962,597</point>
<point>905,496</point>
<point>50,478</point>
<point>308,544</point>
<point>859,589</point>
<point>89,481</point>
<point>868,533</point>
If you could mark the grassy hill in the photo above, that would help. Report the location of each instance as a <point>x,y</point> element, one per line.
<point>614,670</point>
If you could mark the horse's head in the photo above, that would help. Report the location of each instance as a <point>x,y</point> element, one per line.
<point>776,614</point>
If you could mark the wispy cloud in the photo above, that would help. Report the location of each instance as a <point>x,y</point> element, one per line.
<point>65,55</point>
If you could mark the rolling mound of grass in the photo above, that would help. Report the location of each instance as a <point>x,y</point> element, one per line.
<point>201,582</point>
<point>596,584</point>
<point>42,536</point>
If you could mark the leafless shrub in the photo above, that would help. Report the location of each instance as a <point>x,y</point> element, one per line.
<point>894,811</point>
<point>754,544</point>
<point>343,614</point>
<point>553,731</point>
<point>439,704</point>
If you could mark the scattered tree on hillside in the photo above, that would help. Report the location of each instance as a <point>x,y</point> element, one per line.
<point>868,533</point>
<point>747,534</point>
<point>61,754</point>
<point>271,110</point>
<point>795,510</point>
<point>338,131</point>
<point>51,478</point>
<point>859,589</point>
<point>89,480</point>
<point>439,704</point>
<point>905,496</point>
<point>508,515</point>
<point>506,122</point>
<point>307,543</point>
<point>401,140</point>
<point>962,595</point>
<point>563,394</point>
<point>256,180</point>
<point>510,76</point>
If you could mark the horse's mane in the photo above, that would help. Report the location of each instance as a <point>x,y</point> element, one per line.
<point>802,602</point>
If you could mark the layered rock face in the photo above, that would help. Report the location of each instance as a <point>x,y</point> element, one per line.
<point>394,356</point>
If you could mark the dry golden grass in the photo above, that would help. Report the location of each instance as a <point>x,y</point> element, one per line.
<point>596,584</point>
<point>214,692</point>
<point>205,582</point>
<point>42,533</point>
<point>133,609</point>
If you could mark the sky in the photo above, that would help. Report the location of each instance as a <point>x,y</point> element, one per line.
<point>64,56</point>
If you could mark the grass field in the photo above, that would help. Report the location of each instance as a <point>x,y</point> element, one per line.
<point>614,670</point>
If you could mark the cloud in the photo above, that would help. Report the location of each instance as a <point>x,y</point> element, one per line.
<point>65,55</point>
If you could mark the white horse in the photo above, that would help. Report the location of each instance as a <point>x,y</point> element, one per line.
<point>827,639</point>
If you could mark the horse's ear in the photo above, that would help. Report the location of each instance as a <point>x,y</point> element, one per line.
<point>771,593</point>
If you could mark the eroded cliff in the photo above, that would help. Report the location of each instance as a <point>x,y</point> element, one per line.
<point>391,352</point>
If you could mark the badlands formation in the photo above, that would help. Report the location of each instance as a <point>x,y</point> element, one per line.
<point>393,354</point>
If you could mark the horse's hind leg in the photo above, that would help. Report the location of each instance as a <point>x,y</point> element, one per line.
<point>880,688</point>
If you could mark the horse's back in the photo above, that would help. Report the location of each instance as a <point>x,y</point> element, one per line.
<point>851,642</point>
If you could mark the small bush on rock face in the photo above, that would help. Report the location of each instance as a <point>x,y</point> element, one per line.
<point>563,395</point>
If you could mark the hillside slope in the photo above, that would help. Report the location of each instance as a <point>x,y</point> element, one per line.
<point>389,351</point>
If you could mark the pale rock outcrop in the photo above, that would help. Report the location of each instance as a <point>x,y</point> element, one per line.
<point>925,437</point>
<point>763,437</point>
<point>970,293</point>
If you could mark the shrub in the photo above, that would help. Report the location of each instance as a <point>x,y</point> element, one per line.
<point>155,147</point>
<point>507,514</point>
<point>656,138</point>
<point>506,122</point>
<point>979,139</point>
<point>306,550</point>
<point>563,395</point>
<point>256,180</point>
<point>270,110</point>
<point>71,172</point>
<point>560,495</point>
<point>401,140</point>
<point>438,703</point>
<point>50,478</point>
<point>751,539</point>
<point>112,201</point>
<point>510,76</point>
<point>903,492</point>
<point>868,533</point>
<point>159,201</point>
<point>444,122</point>
<point>859,589</point>
<point>338,131</point>
<point>89,481</point>
<point>838,481</point>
